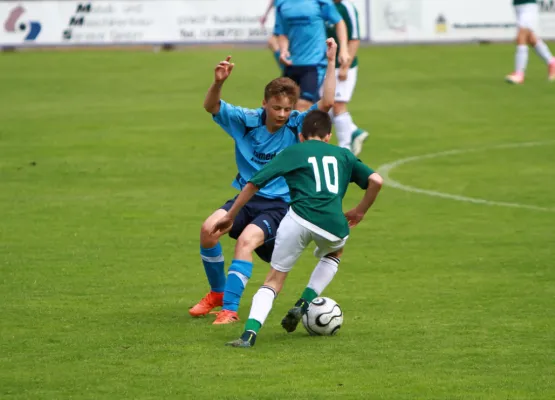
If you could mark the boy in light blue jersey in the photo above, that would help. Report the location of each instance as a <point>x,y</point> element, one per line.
<point>259,135</point>
<point>300,25</point>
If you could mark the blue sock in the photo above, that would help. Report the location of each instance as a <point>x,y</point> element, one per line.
<point>237,277</point>
<point>213,260</point>
<point>276,56</point>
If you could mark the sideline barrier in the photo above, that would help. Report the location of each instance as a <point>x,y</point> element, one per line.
<point>183,22</point>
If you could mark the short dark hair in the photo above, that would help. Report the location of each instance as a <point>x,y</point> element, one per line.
<point>316,123</point>
<point>282,87</point>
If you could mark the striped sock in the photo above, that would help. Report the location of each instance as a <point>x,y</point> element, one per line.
<point>213,260</point>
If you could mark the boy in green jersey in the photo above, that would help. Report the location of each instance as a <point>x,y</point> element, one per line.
<point>527,15</point>
<point>318,175</point>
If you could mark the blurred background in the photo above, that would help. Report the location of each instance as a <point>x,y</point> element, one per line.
<point>109,165</point>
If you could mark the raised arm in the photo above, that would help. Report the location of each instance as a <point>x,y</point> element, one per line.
<point>356,215</point>
<point>328,96</point>
<point>221,73</point>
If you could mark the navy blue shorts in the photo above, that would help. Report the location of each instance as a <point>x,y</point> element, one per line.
<point>307,77</point>
<point>264,213</point>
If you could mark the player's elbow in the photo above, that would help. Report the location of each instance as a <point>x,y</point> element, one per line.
<point>375,180</point>
<point>326,104</point>
<point>212,108</point>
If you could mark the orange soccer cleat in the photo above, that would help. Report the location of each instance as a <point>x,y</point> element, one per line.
<point>226,317</point>
<point>207,304</point>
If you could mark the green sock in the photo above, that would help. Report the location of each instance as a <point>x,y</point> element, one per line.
<point>252,325</point>
<point>307,296</point>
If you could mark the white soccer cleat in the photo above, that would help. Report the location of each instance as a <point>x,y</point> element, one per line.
<point>516,78</point>
<point>358,141</point>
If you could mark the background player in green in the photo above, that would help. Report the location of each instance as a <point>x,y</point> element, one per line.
<point>527,15</point>
<point>349,135</point>
<point>318,175</point>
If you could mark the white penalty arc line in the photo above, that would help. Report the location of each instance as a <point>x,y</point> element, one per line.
<point>385,170</point>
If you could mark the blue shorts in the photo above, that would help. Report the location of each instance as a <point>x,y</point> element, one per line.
<point>308,79</point>
<point>264,213</point>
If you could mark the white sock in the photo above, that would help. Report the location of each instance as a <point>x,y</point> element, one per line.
<point>543,51</point>
<point>323,274</point>
<point>262,302</point>
<point>521,58</point>
<point>344,128</point>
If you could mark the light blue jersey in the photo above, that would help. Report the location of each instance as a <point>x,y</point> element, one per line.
<point>255,146</point>
<point>302,21</point>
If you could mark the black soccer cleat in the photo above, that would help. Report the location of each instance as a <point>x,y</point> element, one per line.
<point>247,339</point>
<point>292,319</point>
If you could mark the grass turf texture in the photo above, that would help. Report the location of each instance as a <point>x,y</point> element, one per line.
<point>109,165</point>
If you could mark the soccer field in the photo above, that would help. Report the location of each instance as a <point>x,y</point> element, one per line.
<point>109,165</point>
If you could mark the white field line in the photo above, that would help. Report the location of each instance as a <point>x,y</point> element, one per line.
<point>386,169</point>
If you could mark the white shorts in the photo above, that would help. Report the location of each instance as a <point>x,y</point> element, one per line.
<point>292,238</point>
<point>344,89</point>
<point>527,16</point>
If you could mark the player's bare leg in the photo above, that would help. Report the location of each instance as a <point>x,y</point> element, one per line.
<point>521,57</point>
<point>213,260</point>
<point>349,135</point>
<point>321,277</point>
<point>239,273</point>
<point>261,306</point>
<point>542,50</point>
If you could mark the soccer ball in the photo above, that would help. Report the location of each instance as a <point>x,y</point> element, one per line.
<point>323,318</point>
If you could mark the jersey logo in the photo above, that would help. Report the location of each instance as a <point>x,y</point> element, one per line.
<point>262,158</point>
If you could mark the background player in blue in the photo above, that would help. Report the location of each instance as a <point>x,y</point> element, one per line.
<point>300,25</point>
<point>259,135</point>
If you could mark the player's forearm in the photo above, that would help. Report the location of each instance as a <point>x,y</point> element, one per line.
<point>352,46</point>
<point>269,8</point>
<point>212,99</point>
<point>246,194</point>
<point>328,96</point>
<point>375,182</point>
<point>342,37</point>
<point>283,43</point>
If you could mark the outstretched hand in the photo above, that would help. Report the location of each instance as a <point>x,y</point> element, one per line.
<point>223,225</point>
<point>223,70</point>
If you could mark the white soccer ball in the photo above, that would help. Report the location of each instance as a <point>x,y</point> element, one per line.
<point>323,318</point>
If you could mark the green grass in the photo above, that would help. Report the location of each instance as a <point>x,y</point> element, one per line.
<point>109,165</point>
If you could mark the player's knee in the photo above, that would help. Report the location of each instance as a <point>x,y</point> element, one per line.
<point>532,39</point>
<point>247,243</point>
<point>339,108</point>
<point>336,254</point>
<point>522,36</point>
<point>206,236</point>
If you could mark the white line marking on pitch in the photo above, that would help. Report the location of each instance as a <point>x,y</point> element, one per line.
<point>385,169</point>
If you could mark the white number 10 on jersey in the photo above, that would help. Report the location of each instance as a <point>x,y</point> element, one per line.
<point>327,161</point>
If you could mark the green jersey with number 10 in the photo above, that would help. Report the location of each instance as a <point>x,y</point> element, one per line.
<point>318,175</point>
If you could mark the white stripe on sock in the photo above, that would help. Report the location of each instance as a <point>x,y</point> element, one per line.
<point>219,258</point>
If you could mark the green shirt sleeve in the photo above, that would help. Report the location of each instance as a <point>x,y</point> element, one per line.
<point>277,167</point>
<point>350,16</point>
<point>360,174</point>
